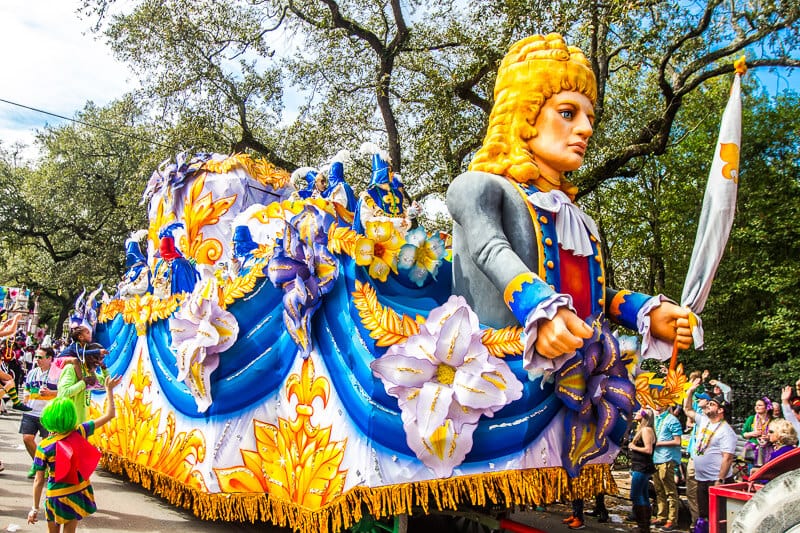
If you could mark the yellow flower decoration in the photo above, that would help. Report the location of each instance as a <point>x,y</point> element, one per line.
<point>379,249</point>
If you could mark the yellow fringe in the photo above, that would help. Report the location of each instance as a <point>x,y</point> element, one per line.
<point>508,489</point>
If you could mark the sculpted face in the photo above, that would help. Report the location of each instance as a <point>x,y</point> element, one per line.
<point>563,127</point>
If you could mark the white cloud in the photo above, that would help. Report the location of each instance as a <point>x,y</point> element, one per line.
<point>52,62</point>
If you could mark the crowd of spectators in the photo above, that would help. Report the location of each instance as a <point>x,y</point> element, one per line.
<point>700,444</point>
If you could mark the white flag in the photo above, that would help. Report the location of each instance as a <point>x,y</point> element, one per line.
<point>719,204</point>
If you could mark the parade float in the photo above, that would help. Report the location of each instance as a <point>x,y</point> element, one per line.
<point>298,356</point>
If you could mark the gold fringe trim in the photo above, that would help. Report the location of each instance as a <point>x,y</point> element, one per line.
<point>508,488</point>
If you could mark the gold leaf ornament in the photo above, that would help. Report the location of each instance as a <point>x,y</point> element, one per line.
<point>502,342</point>
<point>387,327</point>
<point>294,460</point>
<point>383,323</point>
<point>110,310</point>
<point>134,435</point>
<point>238,287</point>
<point>145,309</point>
<point>653,391</point>
<point>342,240</point>
<point>198,212</point>
<point>259,169</point>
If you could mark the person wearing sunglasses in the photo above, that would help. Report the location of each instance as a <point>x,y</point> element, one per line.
<point>782,437</point>
<point>40,388</point>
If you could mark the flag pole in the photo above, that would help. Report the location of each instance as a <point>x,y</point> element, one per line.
<point>716,216</point>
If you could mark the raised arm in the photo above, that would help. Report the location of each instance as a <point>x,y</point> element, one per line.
<point>687,401</point>
<point>110,412</point>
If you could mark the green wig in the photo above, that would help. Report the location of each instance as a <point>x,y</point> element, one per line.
<point>59,416</point>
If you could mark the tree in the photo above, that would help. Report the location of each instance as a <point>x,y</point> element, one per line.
<point>63,223</point>
<point>752,308</point>
<point>428,69</point>
<point>649,223</point>
<point>206,64</point>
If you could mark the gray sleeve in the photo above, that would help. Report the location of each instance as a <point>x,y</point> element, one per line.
<point>477,204</point>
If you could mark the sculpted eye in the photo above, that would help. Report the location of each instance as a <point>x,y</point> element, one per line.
<point>566,113</point>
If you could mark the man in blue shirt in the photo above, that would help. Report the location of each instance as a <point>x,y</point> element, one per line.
<point>666,456</point>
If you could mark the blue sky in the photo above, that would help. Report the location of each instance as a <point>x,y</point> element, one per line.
<point>51,62</point>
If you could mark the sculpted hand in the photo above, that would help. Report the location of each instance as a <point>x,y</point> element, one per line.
<point>564,334</point>
<point>670,322</point>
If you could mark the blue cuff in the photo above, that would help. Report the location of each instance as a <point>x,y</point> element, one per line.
<point>624,308</point>
<point>524,294</point>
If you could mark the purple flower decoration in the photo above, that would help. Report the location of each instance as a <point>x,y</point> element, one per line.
<point>201,330</point>
<point>594,386</point>
<point>445,380</point>
<point>174,174</point>
<point>304,269</point>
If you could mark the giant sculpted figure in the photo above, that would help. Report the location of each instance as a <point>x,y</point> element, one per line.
<point>524,253</point>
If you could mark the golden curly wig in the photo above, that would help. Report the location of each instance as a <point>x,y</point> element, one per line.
<point>534,69</point>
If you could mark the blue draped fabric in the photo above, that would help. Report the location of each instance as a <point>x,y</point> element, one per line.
<point>259,361</point>
<point>119,339</point>
<point>254,367</point>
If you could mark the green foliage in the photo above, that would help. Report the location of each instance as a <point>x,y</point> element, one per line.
<point>751,321</point>
<point>753,311</point>
<point>63,223</point>
<point>417,77</point>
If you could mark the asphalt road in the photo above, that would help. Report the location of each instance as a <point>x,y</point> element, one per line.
<point>124,506</point>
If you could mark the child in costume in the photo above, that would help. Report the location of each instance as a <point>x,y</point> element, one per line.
<point>77,365</point>
<point>81,329</point>
<point>70,460</point>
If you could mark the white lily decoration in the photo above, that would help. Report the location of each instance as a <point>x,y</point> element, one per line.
<point>444,380</point>
<point>201,330</point>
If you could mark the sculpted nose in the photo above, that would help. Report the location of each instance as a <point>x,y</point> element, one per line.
<point>583,126</point>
